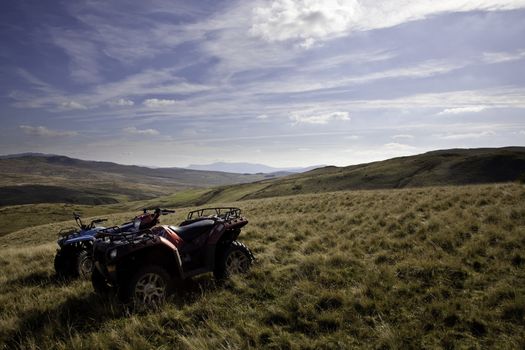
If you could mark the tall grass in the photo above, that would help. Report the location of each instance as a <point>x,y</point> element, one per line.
<point>415,268</point>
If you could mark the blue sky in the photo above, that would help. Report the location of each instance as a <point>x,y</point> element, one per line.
<point>284,83</point>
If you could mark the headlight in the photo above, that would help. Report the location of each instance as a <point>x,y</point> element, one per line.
<point>113,254</point>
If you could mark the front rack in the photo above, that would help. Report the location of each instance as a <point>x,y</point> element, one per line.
<point>225,213</point>
<point>129,236</point>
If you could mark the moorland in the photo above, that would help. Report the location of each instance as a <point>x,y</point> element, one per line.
<point>419,253</point>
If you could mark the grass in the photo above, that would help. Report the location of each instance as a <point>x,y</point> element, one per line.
<point>435,267</point>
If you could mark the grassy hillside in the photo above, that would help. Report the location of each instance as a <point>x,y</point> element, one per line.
<point>439,267</point>
<point>439,168</point>
<point>53,179</point>
<point>449,167</point>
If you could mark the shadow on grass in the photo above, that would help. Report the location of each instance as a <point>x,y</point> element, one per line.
<point>83,313</point>
<point>87,312</point>
<point>40,279</point>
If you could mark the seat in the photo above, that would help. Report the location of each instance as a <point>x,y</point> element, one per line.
<point>191,231</point>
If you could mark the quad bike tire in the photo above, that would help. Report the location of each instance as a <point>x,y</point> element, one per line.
<point>147,288</point>
<point>70,263</point>
<point>84,264</point>
<point>99,283</point>
<point>236,258</point>
<point>64,266</point>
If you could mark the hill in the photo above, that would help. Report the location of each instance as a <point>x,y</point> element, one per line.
<point>432,268</point>
<point>437,168</point>
<point>84,187</point>
<point>34,178</point>
<point>249,168</point>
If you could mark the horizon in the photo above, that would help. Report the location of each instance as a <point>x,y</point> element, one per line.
<point>247,163</point>
<point>282,83</point>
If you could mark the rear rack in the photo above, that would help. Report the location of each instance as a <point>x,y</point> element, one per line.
<point>225,213</point>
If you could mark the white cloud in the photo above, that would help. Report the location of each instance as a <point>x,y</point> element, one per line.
<point>134,131</point>
<point>121,102</point>
<point>499,57</point>
<point>460,110</point>
<point>402,136</point>
<point>72,105</point>
<point>262,116</point>
<point>83,54</point>
<point>308,21</point>
<point>471,135</point>
<point>309,117</point>
<point>155,103</point>
<point>500,97</point>
<point>45,132</point>
<point>299,83</point>
<point>394,146</point>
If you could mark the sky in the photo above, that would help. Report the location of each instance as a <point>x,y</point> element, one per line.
<point>284,83</point>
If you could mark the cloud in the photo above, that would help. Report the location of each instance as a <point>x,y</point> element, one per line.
<point>460,110</point>
<point>45,132</point>
<point>156,103</point>
<point>72,105</point>
<point>302,82</point>
<point>402,136</point>
<point>134,131</point>
<point>82,51</point>
<point>262,116</point>
<point>318,118</point>
<point>308,21</point>
<point>471,135</point>
<point>121,102</point>
<point>394,146</point>
<point>499,57</point>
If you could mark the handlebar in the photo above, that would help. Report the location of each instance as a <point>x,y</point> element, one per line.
<point>159,211</point>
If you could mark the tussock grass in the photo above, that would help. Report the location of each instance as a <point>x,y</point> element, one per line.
<point>414,268</point>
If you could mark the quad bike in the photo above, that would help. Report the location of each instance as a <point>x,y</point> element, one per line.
<point>74,255</point>
<point>144,267</point>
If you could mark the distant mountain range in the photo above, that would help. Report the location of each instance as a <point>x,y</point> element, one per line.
<point>249,168</point>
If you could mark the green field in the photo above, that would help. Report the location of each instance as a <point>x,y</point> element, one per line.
<point>435,267</point>
<point>55,180</point>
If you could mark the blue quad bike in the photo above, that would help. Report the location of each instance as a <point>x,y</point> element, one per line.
<point>74,257</point>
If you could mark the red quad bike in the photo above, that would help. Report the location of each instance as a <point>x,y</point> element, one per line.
<point>144,267</point>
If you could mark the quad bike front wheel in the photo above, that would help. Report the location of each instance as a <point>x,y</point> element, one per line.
<point>84,264</point>
<point>148,288</point>
<point>235,259</point>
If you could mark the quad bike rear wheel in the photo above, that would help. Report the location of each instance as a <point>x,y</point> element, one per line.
<point>147,288</point>
<point>235,259</point>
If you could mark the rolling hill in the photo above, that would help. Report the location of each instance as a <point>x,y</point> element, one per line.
<point>437,168</point>
<point>95,188</point>
<point>36,178</point>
